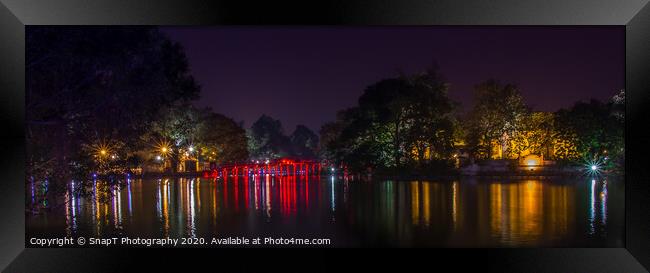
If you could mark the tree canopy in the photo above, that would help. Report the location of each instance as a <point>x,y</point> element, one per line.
<point>596,129</point>
<point>407,119</point>
<point>267,140</point>
<point>108,97</point>
<point>96,84</point>
<point>304,142</point>
<point>498,113</point>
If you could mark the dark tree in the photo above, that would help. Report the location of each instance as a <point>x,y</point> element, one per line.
<point>304,142</point>
<point>497,114</point>
<point>329,133</point>
<point>215,137</point>
<point>431,123</point>
<point>88,86</point>
<point>223,136</point>
<point>384,107</point>
<point>596,128</point>
<point>267,139</point>
<point>404,120</point>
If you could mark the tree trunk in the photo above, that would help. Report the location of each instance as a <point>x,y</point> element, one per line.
<point>396,144</point>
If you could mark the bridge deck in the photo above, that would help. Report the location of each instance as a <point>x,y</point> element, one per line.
<point>283,166</point>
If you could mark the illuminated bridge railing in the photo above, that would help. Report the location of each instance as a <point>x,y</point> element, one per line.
<point>280,167</point>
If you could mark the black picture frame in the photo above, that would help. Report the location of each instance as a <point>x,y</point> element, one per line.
<point>634,15</point>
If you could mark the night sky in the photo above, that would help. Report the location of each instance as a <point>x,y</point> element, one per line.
<point>303,75</point>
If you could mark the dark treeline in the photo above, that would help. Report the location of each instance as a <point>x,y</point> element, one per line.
<point>404,121</point>
<point>267,140</point>
<point>111,99</point>
<point>408,124</point>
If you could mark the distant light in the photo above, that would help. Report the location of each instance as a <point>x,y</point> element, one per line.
<point>164,149</point>
<point>332,169</point>
<point>103,152</point>
<point>158,157</point>
<point>191,149</point>
<point>593,167</point>
<point>112,156</point>
<point>267,161</point>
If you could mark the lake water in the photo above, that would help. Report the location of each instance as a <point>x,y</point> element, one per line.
<point>470,212</point>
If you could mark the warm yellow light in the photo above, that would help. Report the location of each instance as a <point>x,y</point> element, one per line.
<point>532,160</point>
<point>102,152</point>
<point>163,147</point>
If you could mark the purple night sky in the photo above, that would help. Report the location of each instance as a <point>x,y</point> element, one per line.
<point>303,75</point>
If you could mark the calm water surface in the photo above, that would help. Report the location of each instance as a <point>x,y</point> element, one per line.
<point>465,213</point>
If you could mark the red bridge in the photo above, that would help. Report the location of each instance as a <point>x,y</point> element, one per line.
<point>280,167</point>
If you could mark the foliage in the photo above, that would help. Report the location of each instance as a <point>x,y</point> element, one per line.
<point>329,133</point>
<point>535,135</point>
<point>223,136</point>
<point>403,120</point>
<point>267,139</point>
<point>498,113</point>
<point>213,137</point>
<point>304,142</point>
<point>595,128</point>
<point>86,84</point>
<point>431,127</point>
